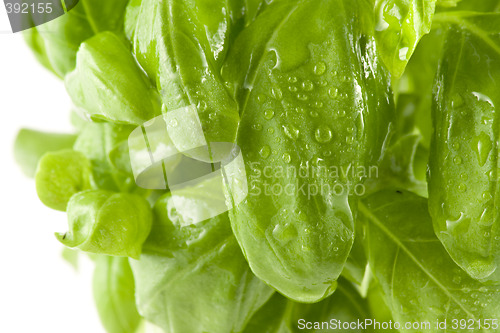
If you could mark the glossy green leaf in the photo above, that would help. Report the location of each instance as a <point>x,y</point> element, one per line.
<point>109,85</point>
<point>399,27</point>
<point>181,45</point>
<point>114,295</point>
<point>104,222</point>
<point>281,315</point>
<point>193,277</point>
<point>464,159</point>
<point>31,145</point>
<point>419,280</point>
<point>314,99</point>
<point>60,175</point>
<point>55,43</point>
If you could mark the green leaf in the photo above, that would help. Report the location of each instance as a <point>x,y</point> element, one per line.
<point>31,145</point>
<point>419,280</point>
<point>478,5</point>
<point>447,3</point>
<point>181,45</point>
<point>55,43</point>
<point>193,277</point>
<point>464,159</point>
<point>315,100</point>
<point>378,307</point>
<point>104,222</point>
<point>414,103</point>
<point>114,296</point>
<point>281,315</point>
<point>109,85</point>
<point>60,175</point>
<point>400,26</point>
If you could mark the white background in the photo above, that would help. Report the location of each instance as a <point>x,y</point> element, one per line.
<point>39,292</point>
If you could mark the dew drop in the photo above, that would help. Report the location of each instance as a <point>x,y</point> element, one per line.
<point>302,97</point>
<point>457,160</point>
<point>270,130</point>
<point>292,88</point>
<point>456,146</point>
<point>277,93</point>
<point>482,145</point>
<point>292,79</point>
<point>320,68</point>
<point>257,127</point>
<point>202,105</point>
<point>333,92</point>
<point>462,187</point>
<point>291,131</point>
<point>313,114</point>
<point>287,158</point>
<point>173,123</point>
<point>307,85</point>
<point>269,114</point>
<point>318,105</point>
<point>487,195</point>
<point>323,134</point>
<point>265,151</point>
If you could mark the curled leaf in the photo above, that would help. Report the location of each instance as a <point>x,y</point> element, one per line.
<point>103,222</point>
<point>109,85</point>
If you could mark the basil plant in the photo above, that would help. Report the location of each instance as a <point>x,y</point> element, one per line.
<point>248,166</point>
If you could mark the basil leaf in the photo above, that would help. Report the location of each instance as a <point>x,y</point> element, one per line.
<point>181,45</point>
<point>55,43</point>
<point>109,85</point>
<point>60,175</point>
<point>419,280</point>
<point>31,145</point>
<point>399,27</point>
<point>464,169</point>
<point>114,296</point>
<point>108,223</point>
<point>193,278</point>
<point>312,97</point>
